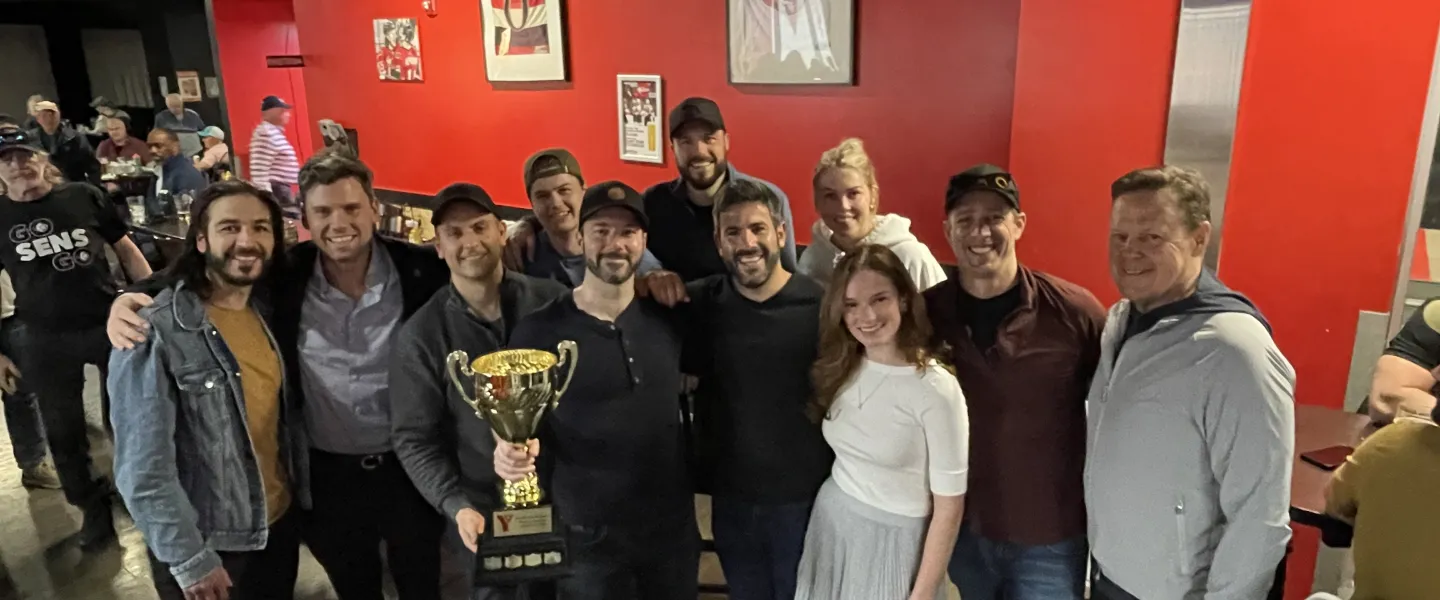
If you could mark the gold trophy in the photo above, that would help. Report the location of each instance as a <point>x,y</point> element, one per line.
<point>512,390</point>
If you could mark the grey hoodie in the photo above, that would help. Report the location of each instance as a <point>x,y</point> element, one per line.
<point>892,231</point>
<point>1191,438</point>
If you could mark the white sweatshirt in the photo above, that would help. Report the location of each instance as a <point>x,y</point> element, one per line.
<point>893,231</point>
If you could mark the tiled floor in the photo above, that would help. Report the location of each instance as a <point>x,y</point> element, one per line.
<point>43,562</point>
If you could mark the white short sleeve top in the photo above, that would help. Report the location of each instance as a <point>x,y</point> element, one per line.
<point>899,435</point>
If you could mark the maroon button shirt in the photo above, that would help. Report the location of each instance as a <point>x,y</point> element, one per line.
<point>1026,395</point>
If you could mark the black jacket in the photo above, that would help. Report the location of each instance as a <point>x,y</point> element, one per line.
<point>73,155</point>
<point>445,447</point>
<point>421,272</point>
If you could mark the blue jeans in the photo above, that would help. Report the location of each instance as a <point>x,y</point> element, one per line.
<point>22,414</point>
<point>989,570</point>
<point>759,546</point>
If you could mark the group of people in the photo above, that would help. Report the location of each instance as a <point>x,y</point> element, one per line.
<point>865,420</point>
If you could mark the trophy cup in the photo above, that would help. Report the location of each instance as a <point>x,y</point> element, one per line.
<point>524,541</point>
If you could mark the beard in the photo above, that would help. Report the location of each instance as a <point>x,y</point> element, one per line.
<point>612,274</point>
<point>751,276</point>
<point>703,182</point>
<point>479,267</point>
<point>219,265</point>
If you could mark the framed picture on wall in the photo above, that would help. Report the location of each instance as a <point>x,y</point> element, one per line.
<point>188,83</point>
<point>640,115</point>
<point>792,42</point>
<point>397,50</point>
<point>524,40</point>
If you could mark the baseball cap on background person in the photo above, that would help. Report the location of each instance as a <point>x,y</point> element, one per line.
<point>212,132</point>
<point>272,102</point>
<point>980,177</point>
<point>46,105</point>
<point>12,137</point>
<point>564,163</point>
<point>613,193</point>
<point>695,109</point>
<point>460,192</point>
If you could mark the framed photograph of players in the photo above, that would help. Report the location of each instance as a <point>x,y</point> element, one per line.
<point>640,102</point>
<point>524,40</point>
<point>397,50</point>
<point>189,84</point>
<point>792,42</point>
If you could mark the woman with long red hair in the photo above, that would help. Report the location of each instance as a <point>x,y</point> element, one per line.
<point>885,522</point>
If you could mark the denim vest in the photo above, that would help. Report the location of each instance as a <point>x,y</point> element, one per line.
<point>184,460</point>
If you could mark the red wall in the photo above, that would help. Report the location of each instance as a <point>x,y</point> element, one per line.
<point>1092,93</point>
<point>934,96</point>
<point>247,31</point>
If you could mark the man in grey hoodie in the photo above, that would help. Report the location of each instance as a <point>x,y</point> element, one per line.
<point>1191,413</point>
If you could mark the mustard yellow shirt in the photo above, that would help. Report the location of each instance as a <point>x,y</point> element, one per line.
<point>1389,489</point>
<point>260,377</point>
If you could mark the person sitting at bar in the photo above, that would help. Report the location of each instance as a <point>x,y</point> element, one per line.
<point>1404,383</point>
<point>216,153</point>
<point>1384,489</point>
<point>177,174</point>
<point>120,144</point>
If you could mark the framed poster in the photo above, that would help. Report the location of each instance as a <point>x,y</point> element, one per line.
<point>791,41</point>
<point>524,40</point>
<point>639,101</point>
<point>188,84</point>
<point>397,50</point>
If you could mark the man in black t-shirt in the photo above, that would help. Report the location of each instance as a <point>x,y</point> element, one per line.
<point>54,250</point>
<point>1404,383</point>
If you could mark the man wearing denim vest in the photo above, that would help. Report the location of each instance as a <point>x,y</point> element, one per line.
<point>210,454</point>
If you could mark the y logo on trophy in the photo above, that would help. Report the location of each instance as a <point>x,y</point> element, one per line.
<point>512,389</point>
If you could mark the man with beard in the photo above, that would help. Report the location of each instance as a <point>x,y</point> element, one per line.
<point>338,306</point>
<point>751,338</point>
<point>209,452</point>
<point>1024,345</point>
<point>54,251</point>
<point>555,185</point>
<point>615,462</point>
<point>445,447</point>
<point>682,236</point>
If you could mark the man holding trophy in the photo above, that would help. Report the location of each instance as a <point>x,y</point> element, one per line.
<point>613,452</point>
<point>444,445</point>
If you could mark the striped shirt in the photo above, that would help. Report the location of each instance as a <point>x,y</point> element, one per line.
<point>272,158</point>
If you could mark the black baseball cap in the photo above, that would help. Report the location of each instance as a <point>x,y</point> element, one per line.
<point>460,192</point>
<point>982,177</point>
<point>564,163</point>
<point>613,193</point>
<point>695,109</point>
<point>13,137</point>
<point>272,102</point>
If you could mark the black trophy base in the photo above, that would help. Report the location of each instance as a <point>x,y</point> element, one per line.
<point>521,546</point>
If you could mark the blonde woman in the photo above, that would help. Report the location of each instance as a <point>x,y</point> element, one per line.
<point>847,197</point>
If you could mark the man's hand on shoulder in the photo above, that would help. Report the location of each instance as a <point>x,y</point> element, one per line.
<point>665,287</point>
<point>126,327</point>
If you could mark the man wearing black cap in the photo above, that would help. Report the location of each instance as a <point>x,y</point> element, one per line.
<point>614,462</point>
<point>555,185</point>
<point>210,453</point>
<point>683,237</point>
<point>272,159</point>
<point>445,447</point>
<point>1024,345</point>
<point>54,251</point>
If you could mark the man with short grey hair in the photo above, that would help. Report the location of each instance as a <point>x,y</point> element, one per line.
<point>184,122</point>
<point>1191,412</point>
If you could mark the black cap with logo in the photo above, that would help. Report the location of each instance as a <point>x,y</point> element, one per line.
<point>560,162</point>
<point>460,192</point>
<point>982,177</point>
<point>696,109</point>
<point>613,193</point>
<point>12,137</point>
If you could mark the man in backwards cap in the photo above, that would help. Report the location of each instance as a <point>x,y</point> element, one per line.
<point>615,462</point>
<point>445,447</point>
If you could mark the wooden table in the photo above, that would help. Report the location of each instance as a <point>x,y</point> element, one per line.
<point>1316,428</point>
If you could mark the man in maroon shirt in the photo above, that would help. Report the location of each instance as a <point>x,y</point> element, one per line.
<point>1025,345</point>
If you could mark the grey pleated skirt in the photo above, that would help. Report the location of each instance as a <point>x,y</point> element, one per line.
<point>854,551</point>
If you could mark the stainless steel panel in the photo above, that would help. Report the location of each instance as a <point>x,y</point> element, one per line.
<point>1370,341</point>
<point>1205,96</point>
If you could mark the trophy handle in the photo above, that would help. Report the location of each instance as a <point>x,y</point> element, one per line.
<point>461,360</point>
<point>569,354</point>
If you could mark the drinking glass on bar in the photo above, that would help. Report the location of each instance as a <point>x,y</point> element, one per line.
<point>182,207</point>
<point>137,209</point>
